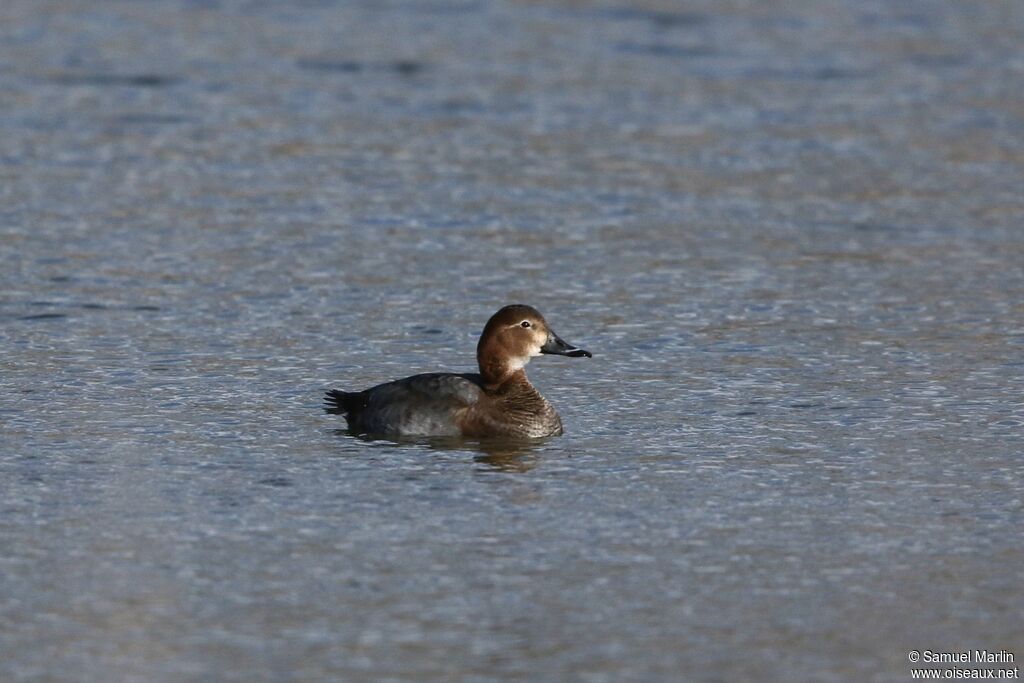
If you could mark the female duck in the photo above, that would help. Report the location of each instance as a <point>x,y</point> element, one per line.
<point>500,401</point>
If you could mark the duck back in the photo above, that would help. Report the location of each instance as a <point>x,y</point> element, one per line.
<point>422,405</point>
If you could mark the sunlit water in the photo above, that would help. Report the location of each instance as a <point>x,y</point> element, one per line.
<point>790,233</point>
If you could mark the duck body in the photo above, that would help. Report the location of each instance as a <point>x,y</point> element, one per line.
<point>447,404</point>
<point>499,401</point>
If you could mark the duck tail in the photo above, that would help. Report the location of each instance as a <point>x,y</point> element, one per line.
<point>344,402</point>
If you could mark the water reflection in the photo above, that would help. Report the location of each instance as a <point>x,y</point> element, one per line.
<point>509,460</point>
<point>504,454</point>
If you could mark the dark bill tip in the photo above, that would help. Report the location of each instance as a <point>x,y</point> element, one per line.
<point>579,353</point>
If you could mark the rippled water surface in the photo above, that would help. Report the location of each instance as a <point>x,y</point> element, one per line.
<point>791,233</point>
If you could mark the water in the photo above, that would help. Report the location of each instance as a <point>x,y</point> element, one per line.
<point>790,234</point>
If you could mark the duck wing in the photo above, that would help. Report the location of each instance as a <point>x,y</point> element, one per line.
<point>421,404</point>
<point>436,387</point>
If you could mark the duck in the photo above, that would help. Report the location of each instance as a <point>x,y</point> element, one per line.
<point>498,401</point>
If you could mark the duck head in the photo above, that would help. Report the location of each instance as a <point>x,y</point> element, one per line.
<point>513,336</point>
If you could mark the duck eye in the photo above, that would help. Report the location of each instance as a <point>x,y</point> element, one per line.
<point>525,323</point>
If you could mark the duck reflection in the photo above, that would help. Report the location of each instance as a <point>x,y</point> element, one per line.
<point>495,453</point>
<point>509,456</point>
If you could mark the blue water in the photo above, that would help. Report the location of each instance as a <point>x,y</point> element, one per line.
<point>790,233</point>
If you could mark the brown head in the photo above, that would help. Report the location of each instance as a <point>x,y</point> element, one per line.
<point>513,336</point>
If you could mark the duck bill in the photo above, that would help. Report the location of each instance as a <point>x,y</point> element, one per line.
<point>557,346</point>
